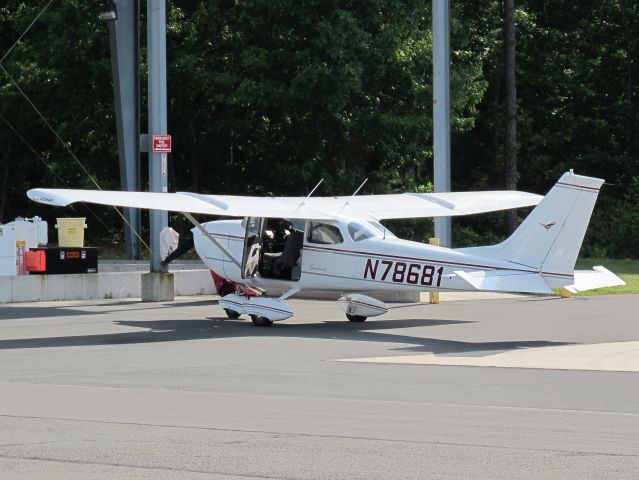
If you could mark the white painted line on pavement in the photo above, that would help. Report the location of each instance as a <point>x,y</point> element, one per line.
<point>616,356</point>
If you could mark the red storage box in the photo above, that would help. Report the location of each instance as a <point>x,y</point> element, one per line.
<point>36,261</point>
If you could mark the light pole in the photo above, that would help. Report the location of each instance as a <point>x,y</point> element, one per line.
<point>157,285</point>
<point>156,54</point>
<point>441,111</point>
<point>122,20</point>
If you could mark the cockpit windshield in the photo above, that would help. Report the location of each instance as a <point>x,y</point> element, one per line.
<point>361,231</point>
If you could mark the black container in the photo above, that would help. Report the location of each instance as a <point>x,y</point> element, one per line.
<point>61,260</point>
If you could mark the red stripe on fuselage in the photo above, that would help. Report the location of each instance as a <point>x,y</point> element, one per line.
<point>424,260</point>
<point>428,260</point>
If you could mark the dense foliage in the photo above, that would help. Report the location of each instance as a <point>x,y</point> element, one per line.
<point>269,96</point>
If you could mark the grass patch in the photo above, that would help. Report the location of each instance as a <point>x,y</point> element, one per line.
<point>627,270</point>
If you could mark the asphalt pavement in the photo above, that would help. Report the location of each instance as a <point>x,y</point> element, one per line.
<point>122,389</point>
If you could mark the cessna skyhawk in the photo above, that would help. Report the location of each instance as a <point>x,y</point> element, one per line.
<point>338,244</point>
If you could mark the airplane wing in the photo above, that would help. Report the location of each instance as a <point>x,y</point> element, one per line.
<point>369,207</point>
<point>419,205</point>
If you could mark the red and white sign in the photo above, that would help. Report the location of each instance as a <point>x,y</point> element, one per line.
<point>161,143</point>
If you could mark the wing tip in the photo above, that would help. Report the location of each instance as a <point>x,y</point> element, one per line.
<point>47,197</point>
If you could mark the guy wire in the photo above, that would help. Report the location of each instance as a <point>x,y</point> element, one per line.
<point>41,158</point>
<point>68,149</point>
<point>25,32</point>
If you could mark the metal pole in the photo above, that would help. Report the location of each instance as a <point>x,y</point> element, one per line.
<point>123,32</point>
<point>156,48</point>
<point>441,111</point>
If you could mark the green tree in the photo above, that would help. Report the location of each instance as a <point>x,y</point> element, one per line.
<point>282,93</point>
<point>63,67</point>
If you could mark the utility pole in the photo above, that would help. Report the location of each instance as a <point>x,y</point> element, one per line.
<point>157,285</point>
<point>156,54</point>
<point>441,111</point>
<point>122,19</point>
<point>510,140</point>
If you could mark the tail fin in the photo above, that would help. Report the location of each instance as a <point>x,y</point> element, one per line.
<point>550,237</point>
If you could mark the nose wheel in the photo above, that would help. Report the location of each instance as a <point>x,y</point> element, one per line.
<point>355,318</point>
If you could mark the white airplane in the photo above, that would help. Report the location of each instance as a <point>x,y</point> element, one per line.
<point>337,244</point>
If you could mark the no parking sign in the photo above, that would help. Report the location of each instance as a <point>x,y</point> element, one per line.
<point>161,143</point>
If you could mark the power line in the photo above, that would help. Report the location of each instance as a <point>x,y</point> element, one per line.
<point>46,164</point>
<point>35,152</point>
<point>68,149</point>
<point>64,144</point>
<point>25,32</point>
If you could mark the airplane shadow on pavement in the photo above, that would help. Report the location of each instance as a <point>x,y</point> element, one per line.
<point>50,309</point>
<point>217,328</point>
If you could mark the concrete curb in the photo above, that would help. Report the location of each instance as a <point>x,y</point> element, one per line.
<point>46,288</point>
<point>127,284</point>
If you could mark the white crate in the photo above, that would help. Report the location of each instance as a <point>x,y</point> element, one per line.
<point>32,231</point>
<point>7,250</point>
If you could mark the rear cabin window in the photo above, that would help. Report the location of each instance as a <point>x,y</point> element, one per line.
<point>323,233</point>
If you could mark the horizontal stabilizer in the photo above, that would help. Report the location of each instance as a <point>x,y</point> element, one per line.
<point>598,277</point>
<point>498,281</point>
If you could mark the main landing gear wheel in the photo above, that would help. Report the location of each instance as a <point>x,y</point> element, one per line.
<point>355,318</point>
<point>231,313</point>
<point>261,321</point>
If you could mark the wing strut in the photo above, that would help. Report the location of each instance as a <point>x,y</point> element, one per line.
<point>303,202</point>
<point>355,193</point>
<point>288,293</point>
<point>212,238</point>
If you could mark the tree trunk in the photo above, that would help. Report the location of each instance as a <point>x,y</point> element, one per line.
<point>5,178</point>
<point>629,80</point>
<point>510,124</point>
<point>195,170</point>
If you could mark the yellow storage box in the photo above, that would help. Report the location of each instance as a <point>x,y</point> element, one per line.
<point>71,231</point>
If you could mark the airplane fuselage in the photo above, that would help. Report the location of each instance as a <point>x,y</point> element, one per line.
<point>379,263</point>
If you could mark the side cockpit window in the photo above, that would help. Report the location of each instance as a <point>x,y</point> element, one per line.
<point>360,231</point>
<point>323,233</point>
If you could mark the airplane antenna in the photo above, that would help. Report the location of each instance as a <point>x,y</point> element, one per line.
<point>303,202</point>
<point>354,193</point>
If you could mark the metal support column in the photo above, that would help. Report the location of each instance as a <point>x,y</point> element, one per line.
<point>156,47</point>
<point>441,111</point>
<point>122,19</point>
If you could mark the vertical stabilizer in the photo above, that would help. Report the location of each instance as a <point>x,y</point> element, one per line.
<point>550,237</point>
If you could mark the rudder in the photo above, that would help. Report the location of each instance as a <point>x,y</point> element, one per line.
<point>550,238</point>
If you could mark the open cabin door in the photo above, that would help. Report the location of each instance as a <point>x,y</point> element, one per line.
<point>252,246</point>
<point>283,240</point>
<point>273,248</point>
